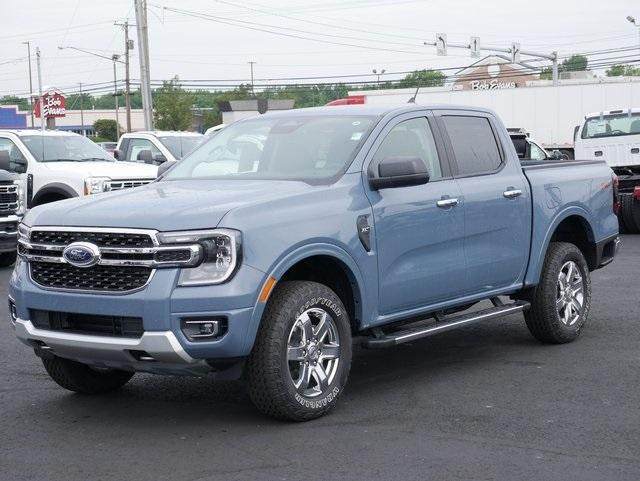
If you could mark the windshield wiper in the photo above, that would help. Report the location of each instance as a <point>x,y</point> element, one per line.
<point>95,159</point>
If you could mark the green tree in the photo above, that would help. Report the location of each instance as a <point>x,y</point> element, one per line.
<point>106,129</point>
<point>423,78</point>
<point>23,104</point>
<point>574,63</point>
<point>172,106</point>
<point>623,71</point>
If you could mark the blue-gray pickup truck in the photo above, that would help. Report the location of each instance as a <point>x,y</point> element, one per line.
<point>267,250</point>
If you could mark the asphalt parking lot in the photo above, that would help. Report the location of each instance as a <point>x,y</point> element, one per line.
<point>486,402</point>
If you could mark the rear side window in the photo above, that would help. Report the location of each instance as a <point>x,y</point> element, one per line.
<point>474,145</point>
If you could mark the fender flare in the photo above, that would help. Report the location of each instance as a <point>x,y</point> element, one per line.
<point>535,265</point>
<point>54,188</point>
<point>288,260</point>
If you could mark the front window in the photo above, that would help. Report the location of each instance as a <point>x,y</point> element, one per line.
<point>56,148</point>
<point>611,126</point>
<point>181,145</point>
<point>537,152</point>
<point>314,149</point>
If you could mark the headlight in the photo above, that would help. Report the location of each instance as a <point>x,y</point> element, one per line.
<point>95,185</point>
<point>22,196</point>
<point>221,255</point>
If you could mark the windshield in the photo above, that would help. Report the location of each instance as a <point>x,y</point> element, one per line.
<point>611,126</point>
<point>179,146</point>
<point>54,148</point>
<point>311,149</point>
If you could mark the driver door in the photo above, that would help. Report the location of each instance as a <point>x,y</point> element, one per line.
<point>419,229</point>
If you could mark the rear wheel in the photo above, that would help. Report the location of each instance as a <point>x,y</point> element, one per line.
<point>630,208</point>
<point>81,378</point>
<point>302,354</point>
<point>561,302</point>
<point>7,258</point>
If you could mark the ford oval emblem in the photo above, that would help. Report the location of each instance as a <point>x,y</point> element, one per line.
<point>81,254</point>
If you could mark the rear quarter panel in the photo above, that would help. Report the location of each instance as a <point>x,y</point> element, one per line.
<point>561,190</point>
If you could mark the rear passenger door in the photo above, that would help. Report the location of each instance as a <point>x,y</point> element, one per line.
<point>419,229</point>
<point>497,205</point>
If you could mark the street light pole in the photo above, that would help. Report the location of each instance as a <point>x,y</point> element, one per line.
<point>82,111</point>
<point>633,21</point>
<point>115,93</point>
<point>143,51</point>
<point>40,89</point>
<point>253,92</point>
<point>378,73</point>
<point>28,44</point>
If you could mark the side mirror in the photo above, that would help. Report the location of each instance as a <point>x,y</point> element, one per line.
<point>399,172</point>
<point>146,156</point>
<point>159,159</point>
<point>117,154</point>
<point>162,168</point>
<point>5,160</point>
<point>557,155</point>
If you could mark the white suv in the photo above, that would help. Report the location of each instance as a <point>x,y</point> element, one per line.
<point>156,147</point>
<point>59,165</point>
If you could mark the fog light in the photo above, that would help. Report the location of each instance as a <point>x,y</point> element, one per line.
<point>201,329</point>
<point>13,313</point>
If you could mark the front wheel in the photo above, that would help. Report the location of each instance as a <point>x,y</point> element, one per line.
<point>561,302</point>
<point>81,378</point>
<point>8,258</point>
<point>302,354</point>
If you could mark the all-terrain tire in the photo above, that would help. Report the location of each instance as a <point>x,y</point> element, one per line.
<point>269,367</point>
<point>8,258</point>
<point>543,318</point>
<point>80,378</point>
<point>630,210</point>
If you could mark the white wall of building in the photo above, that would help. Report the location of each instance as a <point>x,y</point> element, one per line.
<point>548,113</point>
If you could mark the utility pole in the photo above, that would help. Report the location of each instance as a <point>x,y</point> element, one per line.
<point>115,94</point>
<point>143,50</point>
<point>128,45</point>
<point>82,111</point>
<point>253,92</point>
<point>28,44</point>
<point>40,88</point>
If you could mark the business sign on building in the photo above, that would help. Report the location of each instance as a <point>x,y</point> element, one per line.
<point>53,105</point>
<point>494,73</point>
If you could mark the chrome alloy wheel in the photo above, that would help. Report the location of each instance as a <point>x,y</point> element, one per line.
<point>313,352</point>
<point>570,296</point>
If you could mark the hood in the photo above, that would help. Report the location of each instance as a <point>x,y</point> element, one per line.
<point>165,206</point>
<point>114,170</point>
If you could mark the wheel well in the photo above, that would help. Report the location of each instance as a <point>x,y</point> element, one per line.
<point>334,274</point>
<point>47,197</point>
<point>576,230</point>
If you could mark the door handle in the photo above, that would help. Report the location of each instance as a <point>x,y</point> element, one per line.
<point>444,203</point>
<point>635,150</point>
<point>511,193</point>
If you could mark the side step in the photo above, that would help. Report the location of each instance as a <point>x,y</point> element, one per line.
<point>381,339</point>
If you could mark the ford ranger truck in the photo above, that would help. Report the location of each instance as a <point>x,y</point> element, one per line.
<point>268,249</point>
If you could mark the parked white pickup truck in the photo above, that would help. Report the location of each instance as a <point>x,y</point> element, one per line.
<point>60,165</point>
<point>156,147</point>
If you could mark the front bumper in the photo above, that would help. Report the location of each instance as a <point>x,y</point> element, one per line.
<point>161,305</point>
<point>9,233</point>
<point>165,354</point>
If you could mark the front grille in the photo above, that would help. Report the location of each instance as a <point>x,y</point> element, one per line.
<point>117,326</point>
<point>101,239</point>
<point>8,198</point>
<point>97,278</point>
<point>128,184</point>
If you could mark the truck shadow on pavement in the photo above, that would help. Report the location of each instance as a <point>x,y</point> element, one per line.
<point>377,378</point>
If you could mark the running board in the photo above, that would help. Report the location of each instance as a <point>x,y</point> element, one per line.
<point>382,339</point>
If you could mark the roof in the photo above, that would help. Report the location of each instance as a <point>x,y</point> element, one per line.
<point>494,60</point>
<point>367,109</point>
<point>164,133</point>
<point>48,133</point>
<point>612,112</point>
